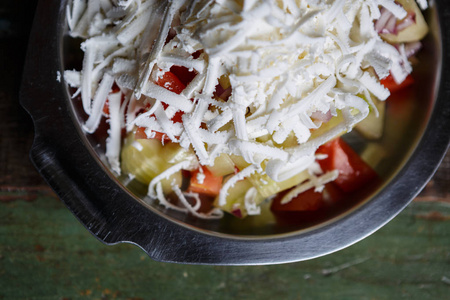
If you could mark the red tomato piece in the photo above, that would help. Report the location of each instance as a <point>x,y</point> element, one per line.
<point>161,137</point>
<point>183,74</point>
<point>171,82</point>
<point>177,117</point>
<point>354,173</point>
<point>106,107</point>
<point>306,201</point>
<point>210,185</point>
<point>393,86</point>
<point>140,134</point>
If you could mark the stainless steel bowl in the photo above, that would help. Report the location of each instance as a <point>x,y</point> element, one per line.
<point>415,140</point>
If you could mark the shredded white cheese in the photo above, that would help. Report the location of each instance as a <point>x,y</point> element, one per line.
<point>285,61</point>
<point>114,140</point>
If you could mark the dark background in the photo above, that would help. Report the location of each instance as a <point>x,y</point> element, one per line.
<point>46,254</point>
<point>16,134</point>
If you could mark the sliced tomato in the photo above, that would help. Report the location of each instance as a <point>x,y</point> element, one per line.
<point>354,173</point>
<point>183,74</point>
<point>140,134</point>
<point>306,201</point>
<point>393,86</point>
<point>309,200</point>
<point>177,117</point>
<point>210,185</point>
<point>171,82</point>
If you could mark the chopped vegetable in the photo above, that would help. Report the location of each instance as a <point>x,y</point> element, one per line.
<point>390,83</point>
<point>141,158</point>
<point>306,201</point>
<point>268,187</point>
<point>140,134</point>
<point>372,127</point>
<point>247,97</point>
<point>205,183</point>
<point>354,173</point>
<point>171,82</point>
<point>415,28</point>
<point>223,165</point>
<point>183,74</point>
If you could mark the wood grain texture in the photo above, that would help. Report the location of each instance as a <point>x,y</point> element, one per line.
<point>46,254</point>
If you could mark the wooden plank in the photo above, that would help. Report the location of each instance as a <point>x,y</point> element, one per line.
<point>45,253</point>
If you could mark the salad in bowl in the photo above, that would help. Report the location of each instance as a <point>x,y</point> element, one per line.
<point>222,106</point>
<point>236,132</point>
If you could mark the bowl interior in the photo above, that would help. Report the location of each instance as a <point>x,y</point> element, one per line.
<point>407,114</point>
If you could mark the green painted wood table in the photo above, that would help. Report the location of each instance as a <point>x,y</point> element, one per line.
<point>45,253</point>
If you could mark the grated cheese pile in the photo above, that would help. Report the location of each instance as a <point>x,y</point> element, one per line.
<point>287,62</point>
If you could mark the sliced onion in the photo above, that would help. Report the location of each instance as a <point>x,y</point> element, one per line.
<point>385,16</point>
<point>320,116</point>
<point>412,48</point>
<point>387,23</point>
<point>406,22</point>
<point>390,26</point>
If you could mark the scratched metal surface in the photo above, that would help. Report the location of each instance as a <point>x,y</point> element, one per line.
<point>45,253</point>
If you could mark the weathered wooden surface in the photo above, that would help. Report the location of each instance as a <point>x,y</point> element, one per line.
<point>46,254</point>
